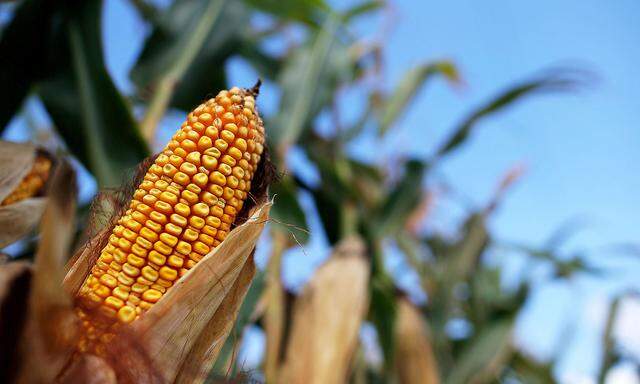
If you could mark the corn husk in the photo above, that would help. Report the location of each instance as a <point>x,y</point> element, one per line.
<point>181,317</point>
<point>274,311</point>
<point>16,220</point>
<point>50,326</point>
<point>414,359</point>
<point>327,318</point>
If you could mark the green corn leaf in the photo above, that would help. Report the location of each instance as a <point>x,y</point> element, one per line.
<point>362,9</point>
<point>287,213</point>
<point>86,107</point>
<point>303,82</point>
<point>402,200</point>
<point>305,11</point>
<point>409,86</point>
<point>20,40</point>
<point>484,356</point>
<point>553,81</point>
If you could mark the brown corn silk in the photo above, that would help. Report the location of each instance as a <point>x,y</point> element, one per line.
<point>185,206</point>
<point>33,183</point>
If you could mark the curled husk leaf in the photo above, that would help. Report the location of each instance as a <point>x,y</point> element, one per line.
<point>414,358</point>
<point>327,318</point>
<point>20,214</point>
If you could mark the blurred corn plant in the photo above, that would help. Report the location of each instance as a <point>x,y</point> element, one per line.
<point>364,207</point>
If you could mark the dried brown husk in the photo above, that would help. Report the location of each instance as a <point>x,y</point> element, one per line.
<point>327,318</point>
<point>18,219</point>
<point>414,358</point>
<point>50,327</point>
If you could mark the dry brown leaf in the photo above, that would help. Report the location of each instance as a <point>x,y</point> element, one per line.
<point>89,369</point>
<point>168,331</point>
<point>16,160</point>
<point>15,279</point>
<point>16,220</point>
<point>80,265</point>
<point>274,316</point>
<point>51,324</point>
<point>414,358</point>
<point>203,354</point>
<point>327,318</point>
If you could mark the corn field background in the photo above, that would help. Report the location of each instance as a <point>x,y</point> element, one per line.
<point>447,210</point>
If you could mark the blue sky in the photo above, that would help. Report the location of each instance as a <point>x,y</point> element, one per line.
<point>580,149</point>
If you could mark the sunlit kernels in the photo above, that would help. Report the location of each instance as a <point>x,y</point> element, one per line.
<point>169,198</point>
<point>162,283</point>
<point>149,199</point>
<point>168,239</point>
<point>162,159</point>
<point>188,168</point>
<point>228,160</point>
<point>144,305</point>
<point>136,261</point>
<point>173,229</point>
<point>213,220</point>
<point>117,230</point>
<point>208,240</point>
<point>151,295</point>
<point>139,194</point>
<point>181,152</point>
<point>114,302</point>
<point>229,132</point>
<point>251,144</point>
<point>178,220</point>
<point>229,210</point>
<point>211,133</point>
<point>209,230</point>
<point>235,153</point>
<point>191,263</point>
<point>232,182</point>
<point>149,273</point>
<point>162,248</point>
<point>169,170</point>
<point>168,273</point>
<point>190,235</point>
<point>205,118</point>
<point>115,265</point>
<point>225,169</point>
<point>201,179</point>
<point>194,158</point>
<point>130,270</point>
<point>181,178</point>
<point>224,102</point>
<point>148,233</point>
<point>221,235</point>
<point>175,160</point>
<point>173,144</point>
<point>157,258</point>
<point>139,250</point>
<point>189,197</point>
<point>163,207</point>
<point>106,257</point>
<point>175,188</point>
<point>120,256</point>
<point>102,291</point>
<point>142,281</point>
<point>120,293</point>
<point>147,185</point>
<point>175,261</point>
<point>209,198</point>
<point>182,209</point>
<point>158,217</point>
<point>152,225</point>
<point>218,178</point>
<point>196,222</point>
<point>226,223</point>
<point>138,216</point>
<point>183,248</point>
<point>124,279</point>
<point>193,136</point>
<point>200,248</point>
<point>188,145</point>
<point>255,159</point>
<point>228,193</point>
<point>216,189</point>
<point>209,162</point>
<point>221,145</point>
<point>124,244</point>
<point>126,314</point>
<point>201,209</point>
<point>198,127</point>
<point>238,172</point>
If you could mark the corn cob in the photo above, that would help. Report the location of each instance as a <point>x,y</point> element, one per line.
<point>184,208</point>
<point>33,183</point>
